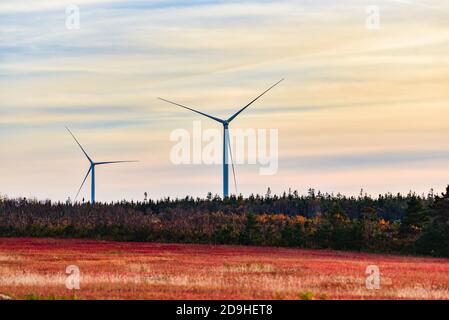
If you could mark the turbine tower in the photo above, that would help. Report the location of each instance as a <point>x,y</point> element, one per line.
<point>92,169</point>
<point>226,141</point>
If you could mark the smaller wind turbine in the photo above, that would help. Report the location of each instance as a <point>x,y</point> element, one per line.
<point>92,169</point>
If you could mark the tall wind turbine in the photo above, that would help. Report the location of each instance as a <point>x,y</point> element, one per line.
<point>226,141</point>
<point>92,169</point>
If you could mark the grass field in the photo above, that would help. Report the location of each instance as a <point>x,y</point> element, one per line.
<point>35,269</point>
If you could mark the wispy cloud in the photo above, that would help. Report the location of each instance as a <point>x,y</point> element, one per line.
<point>351,95</point>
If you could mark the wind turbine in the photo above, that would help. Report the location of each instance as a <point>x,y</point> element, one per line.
<point>92,169</point>
<point>226,141</point>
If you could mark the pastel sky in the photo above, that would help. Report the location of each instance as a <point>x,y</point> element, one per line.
<point>359,108</point>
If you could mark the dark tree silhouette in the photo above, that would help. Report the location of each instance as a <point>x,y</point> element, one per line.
<point>387,223</point>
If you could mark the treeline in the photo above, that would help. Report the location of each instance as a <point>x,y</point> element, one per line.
<point>411,224</point>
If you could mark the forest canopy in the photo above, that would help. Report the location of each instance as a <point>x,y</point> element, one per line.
<point>409,224</point>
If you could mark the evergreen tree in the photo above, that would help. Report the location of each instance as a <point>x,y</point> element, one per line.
<point>337,213</point>
<point>440,209</point>
<point>435,239</point>
<point>250,234</point>
<point>369,214</point>
<point>415,216</point>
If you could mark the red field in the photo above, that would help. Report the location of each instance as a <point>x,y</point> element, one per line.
<point>35,269</point>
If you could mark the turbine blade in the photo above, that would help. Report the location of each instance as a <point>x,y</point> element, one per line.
<point>85,153</point>
<point>111,162</point>
<point>199,112</point>
<point>232,162</point>
<point>84,181</point>
<point>241,110</point>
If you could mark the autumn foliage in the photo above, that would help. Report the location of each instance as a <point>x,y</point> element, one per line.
<point>35,269</point>
<point>408,224</point>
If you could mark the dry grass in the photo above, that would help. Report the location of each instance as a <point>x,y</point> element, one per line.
<point>35,269</point>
